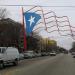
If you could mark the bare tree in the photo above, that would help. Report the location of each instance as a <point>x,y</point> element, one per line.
<point>3,13</point>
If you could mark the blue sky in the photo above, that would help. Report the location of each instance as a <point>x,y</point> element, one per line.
<point>15,14</point>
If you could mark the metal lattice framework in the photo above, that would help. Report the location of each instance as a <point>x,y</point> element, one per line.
<point>60,25</point>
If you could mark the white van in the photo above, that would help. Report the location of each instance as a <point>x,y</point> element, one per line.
<point>8,55</point>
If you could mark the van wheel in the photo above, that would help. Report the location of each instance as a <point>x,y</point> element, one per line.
<point>1,65</point>
<point>15,63</point>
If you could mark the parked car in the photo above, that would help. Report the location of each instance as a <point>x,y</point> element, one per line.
<point>43,54</point>
<point>21,56</point>
<point>73,56</point>
<point>29,54</point>
<point>8,55</point>
<point>73,53</point>
<point>37,54</point>
<point>52,53</point>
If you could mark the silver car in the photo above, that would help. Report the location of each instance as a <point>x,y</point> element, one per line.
<point>29,54</point>
<point>52,53</point>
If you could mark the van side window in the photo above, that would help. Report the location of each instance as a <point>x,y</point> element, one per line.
<point>3,50</point>
<point>0,50</point>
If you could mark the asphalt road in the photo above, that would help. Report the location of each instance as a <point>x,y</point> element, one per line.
<point>62,64</point>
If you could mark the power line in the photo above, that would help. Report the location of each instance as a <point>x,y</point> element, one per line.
<point>36,5</point>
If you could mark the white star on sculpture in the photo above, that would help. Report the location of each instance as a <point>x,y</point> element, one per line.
<point>31,20</point>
